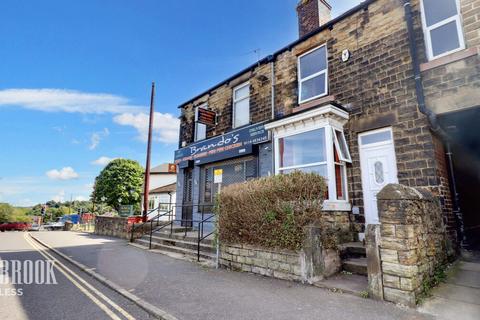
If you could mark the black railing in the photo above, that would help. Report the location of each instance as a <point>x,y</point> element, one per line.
<point>187,224</point>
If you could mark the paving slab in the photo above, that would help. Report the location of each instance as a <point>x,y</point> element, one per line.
<point>446,309</point>
<point>458,293</point>
<point>466,278</point>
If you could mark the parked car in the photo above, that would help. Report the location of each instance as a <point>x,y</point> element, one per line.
<point>35,227</point>
<point>56,225</point>
<point>14,226</point>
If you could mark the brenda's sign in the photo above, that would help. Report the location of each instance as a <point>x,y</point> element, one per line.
<point>229,145</point>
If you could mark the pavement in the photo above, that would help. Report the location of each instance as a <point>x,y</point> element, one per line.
<point>187,290</point>
<point>73,296</point>
<point>459,296</point>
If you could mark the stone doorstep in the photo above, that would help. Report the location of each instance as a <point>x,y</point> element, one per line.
<point>348,283</point>
<point>355,265</point>
<point>352,250</point>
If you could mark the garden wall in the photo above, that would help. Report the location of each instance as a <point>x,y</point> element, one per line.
<point>408,246</point>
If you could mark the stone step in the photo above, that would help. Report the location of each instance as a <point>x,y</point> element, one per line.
<point>186,243</point>
<point>191,236</point>
<point>175,229</point>
<point>352,250</point>
<point>187,252</point>
<point>355,265</point>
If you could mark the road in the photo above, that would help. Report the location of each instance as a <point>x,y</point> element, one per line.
<point>74,296</point>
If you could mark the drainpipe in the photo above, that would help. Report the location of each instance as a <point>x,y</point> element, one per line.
<point>272,66</point>
<point>431,116</point>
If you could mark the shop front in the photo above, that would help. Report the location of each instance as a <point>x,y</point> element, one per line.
<point>207,166</point>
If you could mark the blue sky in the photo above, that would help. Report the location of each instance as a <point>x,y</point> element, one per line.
<point>75,79</point>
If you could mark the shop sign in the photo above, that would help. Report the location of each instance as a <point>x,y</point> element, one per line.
<point>233,144</point>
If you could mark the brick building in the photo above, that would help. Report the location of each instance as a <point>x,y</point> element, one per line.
<point>374,96</point>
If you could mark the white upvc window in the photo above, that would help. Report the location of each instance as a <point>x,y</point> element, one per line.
<point>313,74</point>
<point>321,149</point>
<point>241,105</point>
<point>200,128</point>
<point>442,27</point>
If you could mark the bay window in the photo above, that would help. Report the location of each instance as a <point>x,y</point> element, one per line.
<point>314,141</point>
<point>313,74</point>
<point>442,27</point>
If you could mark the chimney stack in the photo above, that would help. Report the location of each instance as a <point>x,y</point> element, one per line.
<point>312,14</point>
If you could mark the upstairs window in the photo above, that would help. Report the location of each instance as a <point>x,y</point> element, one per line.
<point>200,128</point>
<point>241,105</point>
<point>313,74</point>
<point>442,27</point>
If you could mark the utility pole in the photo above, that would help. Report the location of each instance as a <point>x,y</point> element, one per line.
<point>146,188</point>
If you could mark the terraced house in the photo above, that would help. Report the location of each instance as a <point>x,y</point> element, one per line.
<point>387,92</point>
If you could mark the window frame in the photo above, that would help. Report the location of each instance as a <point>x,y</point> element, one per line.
<point>197,124</point>
<point>299,74</point>
<point>427,31</point>
<point>329,127</point>
<point>235,101</point>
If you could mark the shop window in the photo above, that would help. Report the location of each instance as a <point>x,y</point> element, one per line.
<point>200,128</point>
<point>233,172</point>
<point>241,105</point>
<point>321,150</point>
<point>313,74</point>
<point>442,27</point>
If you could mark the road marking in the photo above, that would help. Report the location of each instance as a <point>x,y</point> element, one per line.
<point>60,266</point>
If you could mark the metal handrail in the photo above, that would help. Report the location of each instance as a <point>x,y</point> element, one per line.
<point>200,223</point>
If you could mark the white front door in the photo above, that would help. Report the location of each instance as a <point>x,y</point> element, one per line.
<point>378,166</point>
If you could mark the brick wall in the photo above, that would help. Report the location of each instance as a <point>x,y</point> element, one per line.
<point>220,100</point>
<point>452,82</point>
<point>312,14</point>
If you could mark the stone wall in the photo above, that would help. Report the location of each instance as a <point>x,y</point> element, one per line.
<point>119,227</point>
<point>313,262</point>
<point>410,243</point>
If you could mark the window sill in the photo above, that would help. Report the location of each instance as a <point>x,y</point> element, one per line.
<point>459,55</point>
<point>329,205</point>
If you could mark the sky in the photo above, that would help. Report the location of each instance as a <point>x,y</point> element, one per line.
<point>75,80</point>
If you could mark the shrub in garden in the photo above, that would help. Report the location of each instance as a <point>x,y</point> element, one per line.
<point>270,212</point>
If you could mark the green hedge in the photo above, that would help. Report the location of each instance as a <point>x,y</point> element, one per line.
<point>270,212</point>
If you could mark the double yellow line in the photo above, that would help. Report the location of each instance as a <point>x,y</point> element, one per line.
<point>91,292</point>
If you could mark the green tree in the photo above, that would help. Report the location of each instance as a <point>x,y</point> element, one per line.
<point>6,212</point>
<point>120,182</point>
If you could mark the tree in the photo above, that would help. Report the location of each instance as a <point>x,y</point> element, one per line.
<point>6,212</point>
<point>120,182</point>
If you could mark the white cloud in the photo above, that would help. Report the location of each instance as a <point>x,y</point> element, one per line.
<point>81,198</point>
<point>66,173</point>
<point>59,197</point>
<point>96,137</point>
<point>102,161</point>
<point>62,100</point>
<point>165,126</point>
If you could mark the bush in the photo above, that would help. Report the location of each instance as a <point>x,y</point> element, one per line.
<point>270,212</point>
